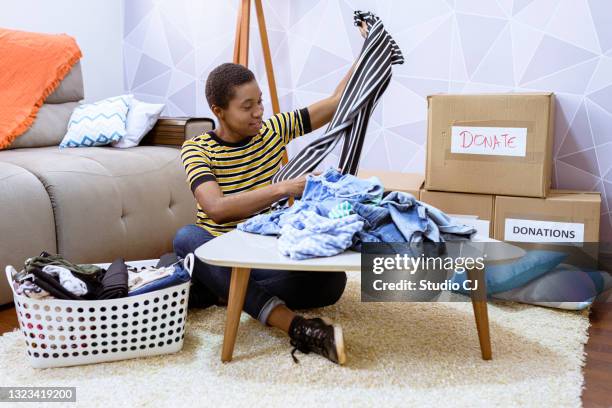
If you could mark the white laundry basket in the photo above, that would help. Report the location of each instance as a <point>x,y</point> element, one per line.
<point>72,332</point>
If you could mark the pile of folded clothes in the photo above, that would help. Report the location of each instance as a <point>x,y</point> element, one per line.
<point>337,212</point>
<point>52,277</point>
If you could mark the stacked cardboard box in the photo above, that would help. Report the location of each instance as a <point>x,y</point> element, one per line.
<point>566,216</point>
<point>396,181</point>
<point>489,158</point>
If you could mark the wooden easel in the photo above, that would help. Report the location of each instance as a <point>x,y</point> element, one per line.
<point>240,276</point>
<point>241,48</point>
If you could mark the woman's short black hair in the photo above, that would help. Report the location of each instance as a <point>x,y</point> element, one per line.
<point>222,80</point>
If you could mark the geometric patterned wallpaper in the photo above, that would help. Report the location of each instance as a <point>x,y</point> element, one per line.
<point>456,46</point>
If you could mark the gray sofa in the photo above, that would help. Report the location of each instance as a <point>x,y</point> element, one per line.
<point>88,204</point>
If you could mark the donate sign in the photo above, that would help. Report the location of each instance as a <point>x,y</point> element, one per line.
<point>493,141</point>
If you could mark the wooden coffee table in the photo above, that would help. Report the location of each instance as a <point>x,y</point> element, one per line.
<point>242,251</point>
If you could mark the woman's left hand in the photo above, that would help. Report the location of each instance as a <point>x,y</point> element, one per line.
<point>363,29</point>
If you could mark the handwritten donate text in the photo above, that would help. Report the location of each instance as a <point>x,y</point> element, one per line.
<point>488,141</point>
<point>498,141</point>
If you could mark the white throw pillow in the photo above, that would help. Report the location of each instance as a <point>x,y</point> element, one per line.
<point>140,119</point>
<point>97,124</point>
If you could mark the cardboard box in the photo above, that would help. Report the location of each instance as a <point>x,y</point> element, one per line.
<point>396,181</point>
<point>475,210</point>
<point>490,143</point>
<point>564,216</point>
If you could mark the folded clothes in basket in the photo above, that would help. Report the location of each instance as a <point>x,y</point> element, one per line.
<point>90,275</point>
<point>50,284</point>
<point>114,282</point>
<point>170,276</point>
<point>53,277</point>
<point>84,271</point>
<point>138,279</point>
<point>29,289</point>
<point>66,279</point>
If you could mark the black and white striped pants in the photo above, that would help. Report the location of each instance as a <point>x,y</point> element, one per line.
<point>370,77</point>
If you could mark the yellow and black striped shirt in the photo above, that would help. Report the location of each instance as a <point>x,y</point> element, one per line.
<point>243,166</point>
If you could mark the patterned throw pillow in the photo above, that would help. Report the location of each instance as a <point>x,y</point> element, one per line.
<point>97,124</point>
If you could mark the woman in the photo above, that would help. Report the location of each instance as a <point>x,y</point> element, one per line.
<point>229,171</point>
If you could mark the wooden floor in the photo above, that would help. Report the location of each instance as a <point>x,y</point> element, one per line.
<point>597,372</point>
<point>598,369</point>
<point>8,318</point>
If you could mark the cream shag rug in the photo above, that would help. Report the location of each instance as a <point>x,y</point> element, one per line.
<point>399,354</point>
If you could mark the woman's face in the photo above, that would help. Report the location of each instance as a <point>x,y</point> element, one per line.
<point>245,110</point>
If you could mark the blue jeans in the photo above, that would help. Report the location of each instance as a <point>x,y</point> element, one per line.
<point>401,218</point>
<point>266,288</point>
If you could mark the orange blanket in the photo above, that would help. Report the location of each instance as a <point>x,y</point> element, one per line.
<point>31,67</point>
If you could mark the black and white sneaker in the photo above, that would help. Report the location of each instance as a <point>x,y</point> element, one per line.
<point>318,335</point>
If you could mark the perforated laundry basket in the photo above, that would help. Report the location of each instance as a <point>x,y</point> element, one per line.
<point>67,332</point>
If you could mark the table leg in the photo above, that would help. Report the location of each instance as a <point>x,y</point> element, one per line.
<point>235,302</point>
<point>479,303</point>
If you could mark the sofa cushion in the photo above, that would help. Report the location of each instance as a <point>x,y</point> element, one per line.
<point>70,88</point>
<point>26,221</point>
<point>48,128</point>
<point>52,118</point>
<point>109,202</point>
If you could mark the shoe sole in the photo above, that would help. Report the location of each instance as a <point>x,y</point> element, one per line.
<point>338,339</point>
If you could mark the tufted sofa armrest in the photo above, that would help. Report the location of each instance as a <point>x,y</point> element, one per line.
<point>174,131</point>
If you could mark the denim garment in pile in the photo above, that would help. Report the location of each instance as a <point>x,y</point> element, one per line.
<point>307,230</point>
<point>307,234</point>
<point>401,218</point>
<point>321,195</point>
<point>367,83</point>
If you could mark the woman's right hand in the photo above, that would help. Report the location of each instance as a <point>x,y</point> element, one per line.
<point>295,187</point>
